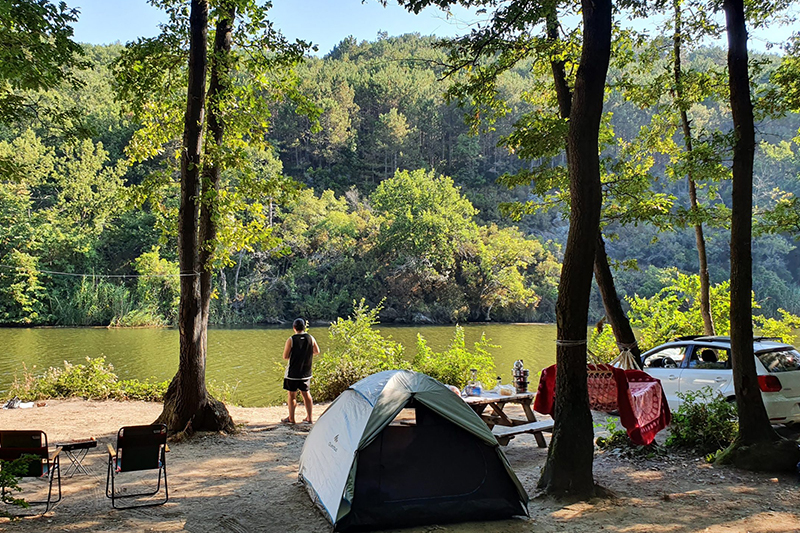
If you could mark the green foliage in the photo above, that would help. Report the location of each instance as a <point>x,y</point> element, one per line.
<point>603,345</point>
<point>426,217</point>
<point>95,380</point>
<point>37,52</point>
<point>10,474</point>
<point>675,310</point>
<point>224,392</point>
<point>157,289</point>
<point>501,270</point>
<point>783,329</point>
<point>356,351</point>
<point>256,73</point>
<point>453,365</point>
<point>138,318</point>
<point>705,421</point>
<point>73,207</point>
<point>618,440</point>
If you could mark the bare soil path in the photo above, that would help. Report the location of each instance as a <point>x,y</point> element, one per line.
<point>247,482</point>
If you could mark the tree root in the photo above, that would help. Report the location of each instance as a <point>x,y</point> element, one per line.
<point>770,456</point>
<point>211,415</point>
<point>563,497</point>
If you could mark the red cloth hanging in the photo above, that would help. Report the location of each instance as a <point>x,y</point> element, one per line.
<point>639,398</point>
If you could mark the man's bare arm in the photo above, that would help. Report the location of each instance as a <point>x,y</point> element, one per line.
<point>287,349</point>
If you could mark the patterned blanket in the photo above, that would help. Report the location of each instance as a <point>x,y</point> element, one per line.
<point>638,397</point>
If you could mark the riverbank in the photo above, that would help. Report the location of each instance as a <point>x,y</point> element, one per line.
<point>247,482</point>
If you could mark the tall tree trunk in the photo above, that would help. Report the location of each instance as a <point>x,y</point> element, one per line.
<point>187,404</point>
<point>754,424</point>
<point>705,282</point>
<point>568,470</point>
<point>620,325</point>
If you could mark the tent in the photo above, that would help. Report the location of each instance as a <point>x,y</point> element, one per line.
<point>367,468</point>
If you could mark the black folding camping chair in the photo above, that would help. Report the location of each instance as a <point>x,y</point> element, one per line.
<point>138,448</point>
<point>32,444</point>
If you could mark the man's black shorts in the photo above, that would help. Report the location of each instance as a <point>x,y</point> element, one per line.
<point>294,385</point>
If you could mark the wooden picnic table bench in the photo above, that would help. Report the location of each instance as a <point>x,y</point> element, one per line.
<point>503,427</point>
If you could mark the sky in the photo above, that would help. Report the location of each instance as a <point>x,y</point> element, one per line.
<point>323,22</point>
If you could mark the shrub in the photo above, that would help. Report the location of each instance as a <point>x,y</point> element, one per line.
<point>224,392</point>
<point>146,391</point>
<point>705,421</point>
<point>138,318</point>
<point>453,365</point>
<point>95,380</point>
<point>603,345</point>
<point>675,309</point>
<point>783,329</point>
<point>356,351</point>
<point>10,473</point>
<point>619,440</point>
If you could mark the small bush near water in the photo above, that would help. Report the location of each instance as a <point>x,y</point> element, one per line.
<point>95,380</point>
<point>705,421</point>
<point>453,365</point>
<point>358,350</point>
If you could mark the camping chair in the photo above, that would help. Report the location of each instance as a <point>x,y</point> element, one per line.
<point>14,444</point>
<point>138,448</point>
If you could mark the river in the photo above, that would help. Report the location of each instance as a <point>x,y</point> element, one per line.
<point>247,359</point>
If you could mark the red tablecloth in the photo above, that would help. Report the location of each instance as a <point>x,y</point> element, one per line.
<point>638,397</point>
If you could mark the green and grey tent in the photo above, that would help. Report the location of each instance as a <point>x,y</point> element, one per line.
<point>367,468</point>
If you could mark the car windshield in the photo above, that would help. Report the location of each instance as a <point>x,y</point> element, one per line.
<point>785,360</point>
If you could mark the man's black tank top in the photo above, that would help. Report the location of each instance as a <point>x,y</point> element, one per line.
<point>301,357</point>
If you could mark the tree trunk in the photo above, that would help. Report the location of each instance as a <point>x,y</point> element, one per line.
<point>620,325</point>
<point>568,470</point>
<point>705,282</point>
<point>187,404</point>
<point>754,424</point>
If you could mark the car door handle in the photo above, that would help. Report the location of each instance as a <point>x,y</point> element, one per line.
<point>720,379</point>
<point>673,376</point>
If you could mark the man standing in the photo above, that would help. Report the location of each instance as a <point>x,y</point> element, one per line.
<point>299,350</point>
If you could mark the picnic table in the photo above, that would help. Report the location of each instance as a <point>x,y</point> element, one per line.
<point>504,427</point>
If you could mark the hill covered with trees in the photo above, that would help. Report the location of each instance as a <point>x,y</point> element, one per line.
<point>379,190</point>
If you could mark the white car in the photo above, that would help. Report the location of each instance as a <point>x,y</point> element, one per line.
<point>690,364</point>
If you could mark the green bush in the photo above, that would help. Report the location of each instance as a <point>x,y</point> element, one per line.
<point>224,392</point>
<point>619,440</point>
<point>95,380</point>
<point>783,329</point>
<point>359,350</point>
<point>453,365</point>
<point>139,318</point>
<point>356,351</point>
<point>10,473</point>
<point>705,421</point>
<point>603,345</point>
<point>146,391</point>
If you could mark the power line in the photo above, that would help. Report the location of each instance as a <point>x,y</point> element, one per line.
<point>122,276</point>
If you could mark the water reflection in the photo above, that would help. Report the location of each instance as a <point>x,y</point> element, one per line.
<point>249,359</point>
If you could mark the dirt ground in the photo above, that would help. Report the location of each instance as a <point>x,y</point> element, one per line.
<point>247,482</point>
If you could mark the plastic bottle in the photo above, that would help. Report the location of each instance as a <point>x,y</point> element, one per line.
<point>474,387</point>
